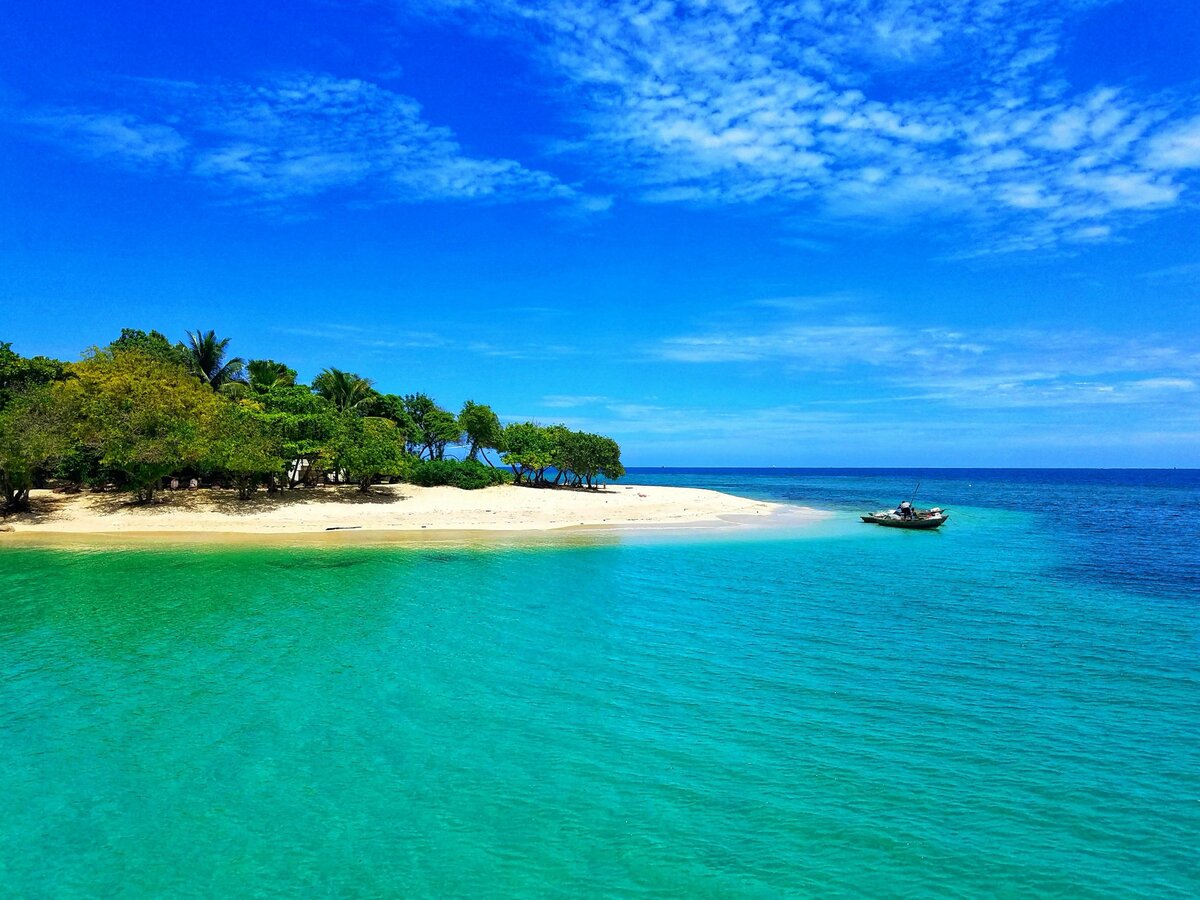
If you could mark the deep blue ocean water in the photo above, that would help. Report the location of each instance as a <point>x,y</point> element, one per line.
<point>1133,528</point>
<point>1007,707</point>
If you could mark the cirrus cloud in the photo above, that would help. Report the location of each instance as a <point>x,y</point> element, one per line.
<point>288,138</point>
<point>856,110</point>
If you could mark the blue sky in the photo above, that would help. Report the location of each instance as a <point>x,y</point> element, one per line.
<point>824,232</point>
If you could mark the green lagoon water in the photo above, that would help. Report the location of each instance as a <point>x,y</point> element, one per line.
<point>837,711</point>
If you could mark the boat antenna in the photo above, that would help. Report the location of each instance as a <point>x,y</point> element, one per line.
<point>913,498</point>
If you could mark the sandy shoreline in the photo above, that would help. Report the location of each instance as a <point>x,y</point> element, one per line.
<point>396,510</point>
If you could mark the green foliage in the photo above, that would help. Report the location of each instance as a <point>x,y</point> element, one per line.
<point>32,435</point>
<point>582,457</point>
<point>206,359</point>
<point>264,375</point>
<point>345,390</point>
<point>144,417</point>
<point>246,445</point>
<point>237,390</point>
<point>19,373</point>
<point>481,428</point>
<point>367,449</point>
<point>153,344</point>
<point>145,408</point>
<point>435,427</point>
<point>527,449</point>
<point>468,474</point>
<point>391,407</point>
<point>307,425</point>
<point>79,465</point>
<point>578,457</point>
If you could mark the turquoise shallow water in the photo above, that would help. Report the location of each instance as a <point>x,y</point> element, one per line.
<point>844,710</point>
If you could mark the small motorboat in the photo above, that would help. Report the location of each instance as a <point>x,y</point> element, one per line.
<point>907,516</point>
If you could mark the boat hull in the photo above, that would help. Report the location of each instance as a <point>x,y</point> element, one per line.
<point>926,523</point>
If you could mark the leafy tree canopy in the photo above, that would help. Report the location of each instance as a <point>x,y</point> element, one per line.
<point>481,427</point>
<point>31,436</point>
<point>266,374</point>
<point>153,344</point>
<point>370,448</point>
<point>527,449</point>
<point>19,373</point>
<point>345,390</point>
<point>144,408</point>
<point>207,359</point>
<point>146,418</point>
<point>436,427</point>
<point>247,445</point>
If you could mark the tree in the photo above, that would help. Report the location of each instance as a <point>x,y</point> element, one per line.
<point>609,453</point>
<point>145,418</point>
<point>585,456</point>
<point>31,437</point>
<point>20,373</point>
<point>556,437</point>
<point>572,457</point>
<point>307,425</point>
<point>526,448</point>
<point>345,390</point>
<point>245,445</point>
<point>144,408</point>
<point>206,359</point>
<point>436,427</point>
<point>153,344</point>
<point>481,427</point>
<point>265,374</point>
<point>368,449</point>
<point>391,407</point>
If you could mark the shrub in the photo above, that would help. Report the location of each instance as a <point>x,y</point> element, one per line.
<point>467,474</point>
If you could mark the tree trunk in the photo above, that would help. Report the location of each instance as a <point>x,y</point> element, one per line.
<point>15,498</point>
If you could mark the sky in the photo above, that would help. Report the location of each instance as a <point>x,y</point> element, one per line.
<point>810,233</point>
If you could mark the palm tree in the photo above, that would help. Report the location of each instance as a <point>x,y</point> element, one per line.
<point>206,358</point>
<point>345,390</point>
<point>266,374</point>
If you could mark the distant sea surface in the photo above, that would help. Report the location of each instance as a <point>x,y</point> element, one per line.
<point>1009,706</point>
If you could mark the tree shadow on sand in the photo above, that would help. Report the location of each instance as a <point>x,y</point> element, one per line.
<point>38,512</point>
<point>44,510</point>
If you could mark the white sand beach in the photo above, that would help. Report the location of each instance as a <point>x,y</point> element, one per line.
<point>392,508</point>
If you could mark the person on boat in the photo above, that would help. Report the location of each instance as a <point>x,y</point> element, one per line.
<point>905,510</point>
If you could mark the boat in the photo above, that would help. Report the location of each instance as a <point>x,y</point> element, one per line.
<point>907,516</point>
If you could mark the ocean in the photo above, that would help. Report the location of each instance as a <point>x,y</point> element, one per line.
<point>1009,706</point>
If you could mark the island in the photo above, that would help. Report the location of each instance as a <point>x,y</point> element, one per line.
<point>143,436</point>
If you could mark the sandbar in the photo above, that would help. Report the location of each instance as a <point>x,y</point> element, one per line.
<point>400,509</point>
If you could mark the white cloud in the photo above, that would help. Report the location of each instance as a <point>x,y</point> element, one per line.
<point>297,137</point>
<point>1177,148</point>
<point>855,110</point>
<point>117,136</point>
<point>1127,189</point>
<point>570,401</point>
<point>858,109</point>
<point>991,368</point>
